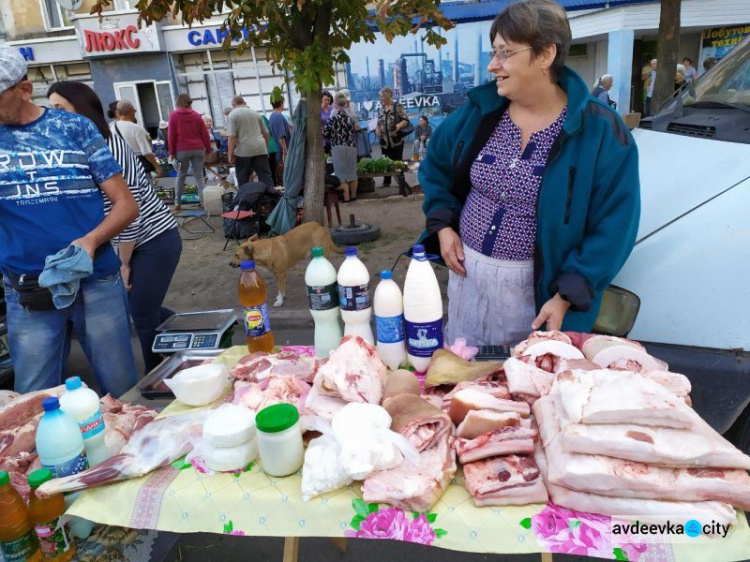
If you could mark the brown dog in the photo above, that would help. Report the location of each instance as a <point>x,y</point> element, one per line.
<point>279,254</point>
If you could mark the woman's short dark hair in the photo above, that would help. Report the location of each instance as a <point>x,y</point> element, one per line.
<point>184,101</point>
<point>277,103</point>
<point>327,94</point>
<point>84,100</point>
<point>538,24</point>
<point>112,110</point>
<point>689,60</point>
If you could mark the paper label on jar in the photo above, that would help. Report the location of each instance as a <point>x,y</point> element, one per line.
<point>390,329</point>
<point>323,297</point>
<point>423,338</point>
<point>53,540</point>
<point>356,297</point>
<point>92,426</point>
<point>20,549</point>
<point>257,322</point>
<point>68,468</point>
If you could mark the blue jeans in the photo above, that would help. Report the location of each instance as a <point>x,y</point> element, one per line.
<point>99,315</point>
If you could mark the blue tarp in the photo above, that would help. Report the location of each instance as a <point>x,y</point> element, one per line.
<point>284,216</point>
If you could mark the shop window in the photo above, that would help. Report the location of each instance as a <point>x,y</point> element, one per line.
<point>579,50</point>
<point>55,16</point>
<point>125,5</point>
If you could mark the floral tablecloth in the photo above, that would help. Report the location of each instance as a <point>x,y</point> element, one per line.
<point>184,499</point>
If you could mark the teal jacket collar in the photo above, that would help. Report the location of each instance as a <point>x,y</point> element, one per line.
<point>486,98</point>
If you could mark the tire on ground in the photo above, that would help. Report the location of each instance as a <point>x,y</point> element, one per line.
<point>351,236</point>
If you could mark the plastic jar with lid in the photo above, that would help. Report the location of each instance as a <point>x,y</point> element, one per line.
<point>280,439</point>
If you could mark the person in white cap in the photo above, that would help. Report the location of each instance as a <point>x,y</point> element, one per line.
<point>55,166</point>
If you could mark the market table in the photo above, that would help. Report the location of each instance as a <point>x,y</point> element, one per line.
<point>183,498</point>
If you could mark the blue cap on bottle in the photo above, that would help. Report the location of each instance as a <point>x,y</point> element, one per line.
<point>247,265</point>
<point>418,249</point>
<point>386,274</point>
<point>51,404</point>
<point>73,383</point>
<point>350,251</point>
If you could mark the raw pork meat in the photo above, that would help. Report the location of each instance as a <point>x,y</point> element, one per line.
<point>272,390</point>
<point>610,352</point>
<point>502,441</point>
<point>619,478</point>
<point>321,405</point>
<point>604,396</point>
<point>494,388</point>
<point>19,440</point>
<point>7,396</point>
<point>420,422</point>
<point>354,372</point>
<point>478,422</point>
<point>647,511</point>
<point>471,399</point>
<point>546,349</point>
<point>261,365</point>
<point>400,381</point>
<point>24,408</point>
<point>511,480</point>
<point>527,379</point>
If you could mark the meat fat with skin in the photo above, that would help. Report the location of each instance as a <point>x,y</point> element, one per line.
<point>478,422</point>
<point>471,399</point>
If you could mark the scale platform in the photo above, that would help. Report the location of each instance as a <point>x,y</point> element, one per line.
<point>193,330</point>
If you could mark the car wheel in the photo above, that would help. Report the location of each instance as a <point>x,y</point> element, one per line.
<point>352,235</point>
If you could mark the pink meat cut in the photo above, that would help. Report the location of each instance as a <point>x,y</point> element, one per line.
<point>646,510</point>
<point>321,405</point>
<point>495,388</point>
<point>24,408</point>
<point>546,349</point>
<point>258,366</point>
<point>19,440</point>
<point>478,422</point>
<point>423,425</point>
<point>160,443</point>
<point>612,397</point>
<point>354,372</point>
<point>610,352</point>
<point>502,441</point>
<point>472,399</point>
<point>607,476</point>
<point>525,378</point>
<point>511,480</point>
<point>539,336</point>
<point>272,390</point>
<point>7,396</point>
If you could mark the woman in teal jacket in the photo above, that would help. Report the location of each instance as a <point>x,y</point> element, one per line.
<point>531,189</point>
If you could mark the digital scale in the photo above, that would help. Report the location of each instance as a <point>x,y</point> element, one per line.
<point>195,330</point>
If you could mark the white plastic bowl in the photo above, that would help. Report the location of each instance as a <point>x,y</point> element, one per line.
<point>199,386</point>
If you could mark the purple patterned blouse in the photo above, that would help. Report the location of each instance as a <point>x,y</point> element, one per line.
<point>499,217</point>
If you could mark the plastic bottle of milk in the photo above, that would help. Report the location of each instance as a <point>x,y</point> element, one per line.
<point>322,292</point>
<point>82,404</point>
<point>423,311</point>
<point>354,296</point>
<point>389,321</point>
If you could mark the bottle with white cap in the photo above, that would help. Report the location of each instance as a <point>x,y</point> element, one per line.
<point>423,311</point>
<point>82,404</point>
<point>322,292</point>
<point>354,296</point>
<point>388,304</point>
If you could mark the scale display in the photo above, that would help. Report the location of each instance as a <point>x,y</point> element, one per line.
<point>175,341</point>
<point>193,331</point>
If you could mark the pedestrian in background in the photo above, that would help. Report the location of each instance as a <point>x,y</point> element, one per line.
<point>248,143</point>
<point>326,108</point>
<point>341,131</point>
<point>391,120</point>
<point>691,74</point>
<point>602,88</point>
<point>279,126</point>
<point>150,247</point>
<point>422,135</point>
<point>127,128</point>
<point>649,85</point>
<point>189,144</point>
<point>274,162</point>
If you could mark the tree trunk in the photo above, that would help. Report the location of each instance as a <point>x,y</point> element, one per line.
<point>667,52</point>
<point>315,166</point>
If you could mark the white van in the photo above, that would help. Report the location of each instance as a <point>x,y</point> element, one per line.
<point>690,268</point>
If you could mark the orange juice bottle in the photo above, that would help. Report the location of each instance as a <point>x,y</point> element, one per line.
<point>252,295</point>
<point>18,542</point>
<point>54,540</point>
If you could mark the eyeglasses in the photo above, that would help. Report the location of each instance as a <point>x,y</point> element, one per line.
<point>503,55</point>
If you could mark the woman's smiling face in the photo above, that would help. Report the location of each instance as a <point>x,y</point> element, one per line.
<point>517,73</point>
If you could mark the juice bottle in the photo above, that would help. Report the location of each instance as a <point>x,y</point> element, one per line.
<point>252,294</point>
<point>45,513</point>
<point>18,542</point>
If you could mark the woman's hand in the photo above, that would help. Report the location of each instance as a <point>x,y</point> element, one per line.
<point>125,274</point>
<point>552,313</point>
<point>452,250</point>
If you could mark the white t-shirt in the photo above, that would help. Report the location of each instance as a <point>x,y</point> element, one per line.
<point>136,136</point>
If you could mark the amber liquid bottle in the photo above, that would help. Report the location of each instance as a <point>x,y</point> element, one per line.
<point>252,294</point>
<point>54,540</point>
<point>18,542</point>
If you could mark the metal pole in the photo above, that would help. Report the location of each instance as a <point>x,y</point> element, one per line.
<point>257,77</point>
<point>216,85</point>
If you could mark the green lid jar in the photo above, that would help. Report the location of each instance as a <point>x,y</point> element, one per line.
<point>279,439</point>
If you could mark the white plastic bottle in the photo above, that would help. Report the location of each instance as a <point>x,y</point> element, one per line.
<point>354,296</point>
<point>423,311</point>
<point>323,295</point>
<point>82,404</point>
<point>388,304</point>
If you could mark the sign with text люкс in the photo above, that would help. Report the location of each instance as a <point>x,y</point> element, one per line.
<point>116,35</point>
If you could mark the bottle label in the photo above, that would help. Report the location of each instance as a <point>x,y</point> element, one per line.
<point>53,540</point>
<point>354,298</point>
<point>323,297</point>
<point>92,426</point>
<point>257,322</point>
<point>390,329</point>
<point>20,549</point>
<point>423,338</point>
<point>68,468</point>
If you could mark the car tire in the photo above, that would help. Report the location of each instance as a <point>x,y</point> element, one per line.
<point>353,235</point>
<point>739,433</point>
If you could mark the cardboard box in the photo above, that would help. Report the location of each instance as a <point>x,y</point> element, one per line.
<point>632,120</point>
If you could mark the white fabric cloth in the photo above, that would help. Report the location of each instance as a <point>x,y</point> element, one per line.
<point>136,136</point>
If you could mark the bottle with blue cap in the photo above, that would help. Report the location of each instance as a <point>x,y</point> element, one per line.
<point>354,296</point>
<point>423,311</point>
<point>323,296</point>
<point>388,304</point>
<point>251,291</point>
<point>82,404</point>
<point>59,442</point>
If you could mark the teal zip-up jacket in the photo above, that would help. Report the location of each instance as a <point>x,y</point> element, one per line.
<point>588,205</point>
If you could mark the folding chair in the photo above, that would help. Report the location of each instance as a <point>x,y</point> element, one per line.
<point>184,217</point>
